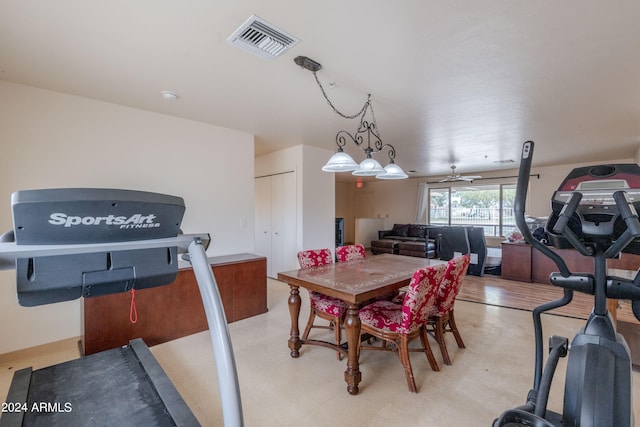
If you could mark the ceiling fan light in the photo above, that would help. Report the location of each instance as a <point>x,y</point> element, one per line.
<point>369,167</point>
<point>340,162</point>
<point>392,171</point>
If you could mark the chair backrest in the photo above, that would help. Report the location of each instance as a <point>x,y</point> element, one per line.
<point>314,258</point>
<point>421,296</point>
<point>450,285</point>
<point>350,252</point>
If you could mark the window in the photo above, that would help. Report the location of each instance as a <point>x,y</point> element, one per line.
<point>486,206</point>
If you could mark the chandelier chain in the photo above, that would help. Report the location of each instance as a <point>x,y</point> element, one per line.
<point>373,117</point>
<point>335,110</point>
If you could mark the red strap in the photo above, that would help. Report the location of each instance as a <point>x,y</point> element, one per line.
<point>133,313</point>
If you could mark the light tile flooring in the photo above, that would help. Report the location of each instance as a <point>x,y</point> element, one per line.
<point>492,374</point>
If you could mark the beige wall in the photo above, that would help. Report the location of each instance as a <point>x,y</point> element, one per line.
<point>396,201</point>
<point>48,139</point>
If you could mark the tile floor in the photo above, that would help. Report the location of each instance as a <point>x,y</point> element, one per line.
<point>492,374</point>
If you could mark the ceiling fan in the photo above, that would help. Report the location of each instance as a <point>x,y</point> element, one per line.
<point>453,177</point>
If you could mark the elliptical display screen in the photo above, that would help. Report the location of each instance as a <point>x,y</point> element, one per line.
<point>597,214</point>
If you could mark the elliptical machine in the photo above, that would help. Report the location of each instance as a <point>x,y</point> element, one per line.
<point>593,211</point>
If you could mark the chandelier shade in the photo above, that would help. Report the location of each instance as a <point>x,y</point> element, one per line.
<point>392,171</point>
<point>369,167</point>
<point>340,162</point>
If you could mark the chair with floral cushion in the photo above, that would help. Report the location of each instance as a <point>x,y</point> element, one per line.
<point>442,320</point>
<point>350,253</point>
<point>323,306</point>
<point>401,323</point>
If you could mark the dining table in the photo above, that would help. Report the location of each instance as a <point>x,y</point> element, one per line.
<point>357,283</point>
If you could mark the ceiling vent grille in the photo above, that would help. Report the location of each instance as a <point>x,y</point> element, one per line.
<point>262,39</point>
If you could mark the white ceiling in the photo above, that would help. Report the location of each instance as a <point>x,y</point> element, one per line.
<point>464,82</point>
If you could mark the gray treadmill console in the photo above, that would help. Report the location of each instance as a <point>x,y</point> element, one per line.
<point>93,215</point>
<point>85,216</point>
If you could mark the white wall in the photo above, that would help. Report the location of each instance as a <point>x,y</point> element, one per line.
<point>48,140</point>
<point>318,200</point>
<point>315,192</point>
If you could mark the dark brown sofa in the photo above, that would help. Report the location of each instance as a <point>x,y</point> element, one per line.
<point>407,239</point>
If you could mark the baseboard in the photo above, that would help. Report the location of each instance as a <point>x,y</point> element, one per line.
<point>40,350</point>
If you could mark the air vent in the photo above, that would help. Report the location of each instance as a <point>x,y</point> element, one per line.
<point>504,161</point>
<point>262,39</point>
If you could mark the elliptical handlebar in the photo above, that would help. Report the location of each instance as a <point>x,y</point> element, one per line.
<point>519,208</point>
<point>565,215</point>
<point>630,216</point>
<point>567,212</point>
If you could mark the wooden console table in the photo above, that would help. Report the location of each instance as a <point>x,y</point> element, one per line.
<point>173,311</point>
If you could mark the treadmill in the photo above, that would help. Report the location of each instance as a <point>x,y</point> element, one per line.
<point>81,242</point>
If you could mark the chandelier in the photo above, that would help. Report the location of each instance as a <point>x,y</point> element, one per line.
<point>366,137</point>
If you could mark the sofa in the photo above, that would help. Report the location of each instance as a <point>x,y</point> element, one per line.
<point>429,241</point>
<point>407,239</point>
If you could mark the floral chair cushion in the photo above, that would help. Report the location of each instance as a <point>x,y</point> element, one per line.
<point>415,309</point>
<point>382,315</point>
<point>450,286</point>
<point>326,304</point>
<point>314,258</point>
<point>350,252</point>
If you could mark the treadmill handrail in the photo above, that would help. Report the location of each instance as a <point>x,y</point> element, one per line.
<point>10,251</point>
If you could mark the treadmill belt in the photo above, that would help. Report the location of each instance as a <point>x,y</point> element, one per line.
<point>117,387</point>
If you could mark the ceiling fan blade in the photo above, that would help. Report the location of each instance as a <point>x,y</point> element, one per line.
<point>456,177</point>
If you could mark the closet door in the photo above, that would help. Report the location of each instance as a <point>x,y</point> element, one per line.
<point>262,206</point>
<point>275,221</point>
<point>283,223</point>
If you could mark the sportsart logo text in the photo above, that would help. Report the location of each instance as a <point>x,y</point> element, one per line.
<point>134,221</point>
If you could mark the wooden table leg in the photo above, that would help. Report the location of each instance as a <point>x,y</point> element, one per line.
<point>352,326</point>
<point>294,312</point>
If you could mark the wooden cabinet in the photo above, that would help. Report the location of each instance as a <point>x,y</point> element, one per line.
<point>516,262</point>
<point>523,263</point>
<point>173,311</point>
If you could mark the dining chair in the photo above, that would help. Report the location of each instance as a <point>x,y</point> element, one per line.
<point>323,306</point>
<point>350,252</point>
<point>398,324</point>
<point>441,319</point>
